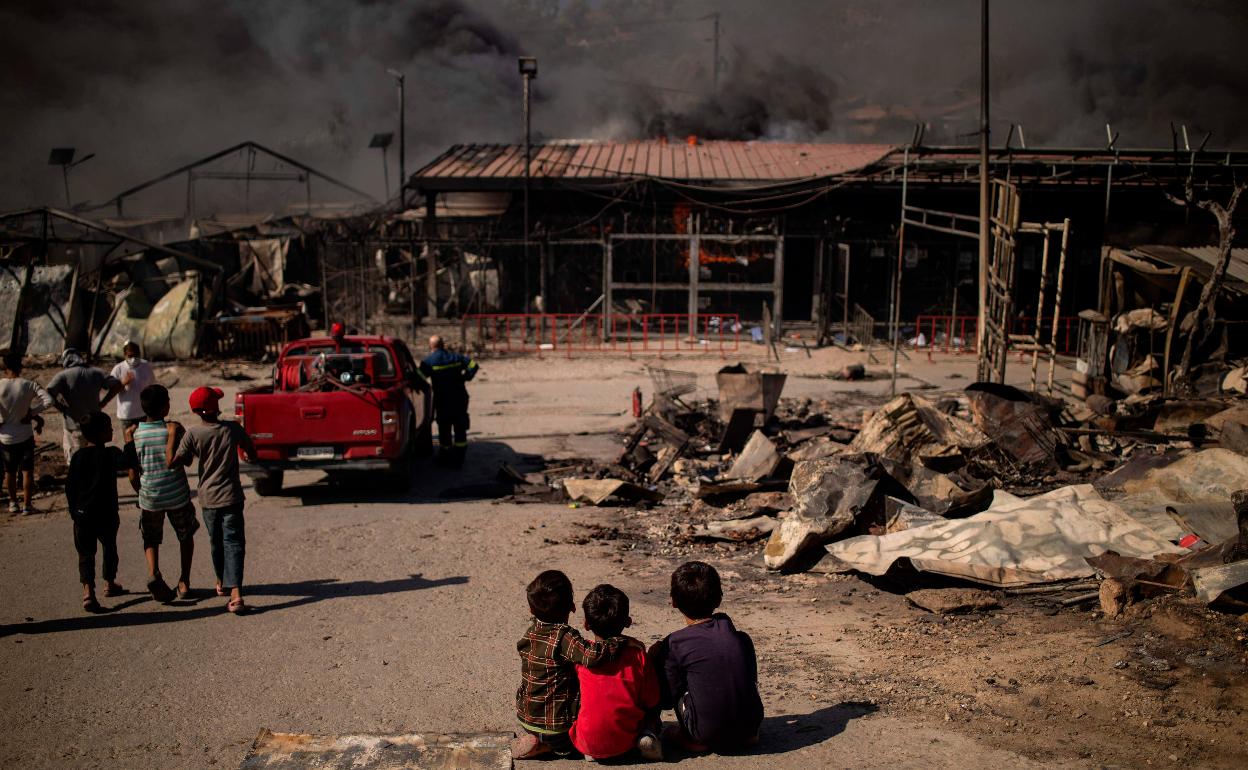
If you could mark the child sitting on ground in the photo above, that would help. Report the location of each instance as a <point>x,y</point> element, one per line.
<point>91,491</point>
<point>546,701</point>
<point>615,695</point>
<point>710,671</point>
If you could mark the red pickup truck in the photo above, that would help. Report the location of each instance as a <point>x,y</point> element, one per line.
<point>339,404</point>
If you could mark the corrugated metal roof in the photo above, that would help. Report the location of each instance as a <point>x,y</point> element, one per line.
<point>1203,259</point>
<point>710,162</point>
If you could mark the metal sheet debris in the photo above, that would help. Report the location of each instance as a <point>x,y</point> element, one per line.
<point>1015,542</point>
<point>596,491</point>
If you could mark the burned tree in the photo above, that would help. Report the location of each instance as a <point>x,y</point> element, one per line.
<point>1202,319</point>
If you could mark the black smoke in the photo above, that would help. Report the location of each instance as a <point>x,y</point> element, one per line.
<point>151,84</point>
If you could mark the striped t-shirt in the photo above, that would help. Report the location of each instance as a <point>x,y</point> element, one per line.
<point>160,488</point>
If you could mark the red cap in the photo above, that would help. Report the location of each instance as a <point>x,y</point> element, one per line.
<point>206,399</point>
<point>337,330</point>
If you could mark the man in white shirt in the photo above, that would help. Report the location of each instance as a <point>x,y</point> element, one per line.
<point>135,374</point>
<point>21,401</point>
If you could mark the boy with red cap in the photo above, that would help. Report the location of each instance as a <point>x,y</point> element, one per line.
<point>216,443</point>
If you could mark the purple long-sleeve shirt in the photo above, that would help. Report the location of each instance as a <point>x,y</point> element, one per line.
<point>712,666</point>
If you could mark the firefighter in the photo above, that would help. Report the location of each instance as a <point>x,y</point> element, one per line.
<point>448,372</point>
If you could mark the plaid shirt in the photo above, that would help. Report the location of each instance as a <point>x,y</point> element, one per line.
<point>549,694</point>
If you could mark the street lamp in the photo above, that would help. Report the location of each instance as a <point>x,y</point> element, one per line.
<point>528,71</point>
<point>398,76</point>
<point>64,157</point>
<point>383,141</point>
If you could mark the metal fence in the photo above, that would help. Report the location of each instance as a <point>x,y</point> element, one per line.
<point>627,333</point>
<point>957,334</point>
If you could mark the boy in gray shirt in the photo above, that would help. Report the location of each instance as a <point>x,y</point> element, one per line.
<point>216,444</point>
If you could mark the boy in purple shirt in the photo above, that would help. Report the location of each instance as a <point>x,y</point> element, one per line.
<point>710,673</point>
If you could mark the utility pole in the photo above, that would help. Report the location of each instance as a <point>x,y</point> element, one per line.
<point>528,71</point>
<point>984,203</point>
<point>398,76</point>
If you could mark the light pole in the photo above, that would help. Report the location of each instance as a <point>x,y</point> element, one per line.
<point>984,204</point>
<point>398,76</point>
<point>64,157</point>
<point>383,141</point>
<point>528,71</point>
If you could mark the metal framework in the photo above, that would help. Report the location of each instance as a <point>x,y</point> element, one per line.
<point>1034,342</point>
<point>302,173</point>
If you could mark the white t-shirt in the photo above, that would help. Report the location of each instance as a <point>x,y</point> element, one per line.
<point>18,397</point>
<point>128,406</point>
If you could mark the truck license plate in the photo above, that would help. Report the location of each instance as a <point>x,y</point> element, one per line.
<point>315,453</point>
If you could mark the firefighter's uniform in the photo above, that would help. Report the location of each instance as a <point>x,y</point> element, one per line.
<point>448,372</point>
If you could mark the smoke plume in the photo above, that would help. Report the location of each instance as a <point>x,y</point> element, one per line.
<point>151,84</point>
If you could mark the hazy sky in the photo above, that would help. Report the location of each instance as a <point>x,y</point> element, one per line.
<point>150,84</point>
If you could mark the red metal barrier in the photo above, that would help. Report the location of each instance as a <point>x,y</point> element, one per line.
<point>957,334</point>
<point>570,333</point>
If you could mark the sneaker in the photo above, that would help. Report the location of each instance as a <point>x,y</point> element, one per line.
<point>28,509</point>
<point>14,507</point>
<point>650,747</point>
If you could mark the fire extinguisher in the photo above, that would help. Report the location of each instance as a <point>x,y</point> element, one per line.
<point>636,402</point>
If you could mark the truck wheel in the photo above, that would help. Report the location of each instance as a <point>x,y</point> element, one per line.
<point>268,485</point>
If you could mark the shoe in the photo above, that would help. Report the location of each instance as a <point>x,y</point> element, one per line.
<point>527,746</point>
<point>650,747</point>
<point>14,507</point>
<point>27,509</point>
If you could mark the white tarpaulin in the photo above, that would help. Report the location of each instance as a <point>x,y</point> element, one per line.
<point>1015,542</point>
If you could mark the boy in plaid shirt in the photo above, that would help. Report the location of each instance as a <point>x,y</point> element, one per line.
<point>549,695</point>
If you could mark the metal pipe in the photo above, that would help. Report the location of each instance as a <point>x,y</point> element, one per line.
<point>983,177</point>
<point>527,179</point>
<point>901,248</point>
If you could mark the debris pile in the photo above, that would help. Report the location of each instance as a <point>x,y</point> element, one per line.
<point>993,485</point>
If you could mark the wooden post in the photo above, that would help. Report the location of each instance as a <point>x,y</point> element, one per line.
<point>777,286</point>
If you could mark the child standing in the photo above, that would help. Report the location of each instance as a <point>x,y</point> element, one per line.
<point>546,701</point>
<point>615,695</point>
<point>711,673</point>
<point>163,492</point>
<point>216,444</point>
<point>91,490</point>
<point>21,401</point>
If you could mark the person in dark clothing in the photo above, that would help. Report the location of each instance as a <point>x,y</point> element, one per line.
<point>710,672</point>
<point>91,490</point>
<point>448,372</point>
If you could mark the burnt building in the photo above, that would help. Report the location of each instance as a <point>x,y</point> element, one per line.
<point>811,230</point>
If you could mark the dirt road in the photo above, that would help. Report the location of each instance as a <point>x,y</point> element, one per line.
<point>396,613</point>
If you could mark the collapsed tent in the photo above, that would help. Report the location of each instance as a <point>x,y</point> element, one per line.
<point>1015,542</point>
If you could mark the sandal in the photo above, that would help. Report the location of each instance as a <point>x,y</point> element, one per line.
<point>221,591</point>
<point>90,604</point>
<point>236,606</point>
<point>116,589</point>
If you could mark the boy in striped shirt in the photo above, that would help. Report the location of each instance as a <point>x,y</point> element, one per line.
<point>163,492</point>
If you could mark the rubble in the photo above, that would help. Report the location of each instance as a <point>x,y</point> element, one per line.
<point>945,601</point>
<point>831,496</point>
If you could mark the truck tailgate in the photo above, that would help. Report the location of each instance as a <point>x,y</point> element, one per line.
<point>312,421</point>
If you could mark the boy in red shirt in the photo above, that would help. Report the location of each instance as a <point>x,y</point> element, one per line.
<point>615,695</point>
